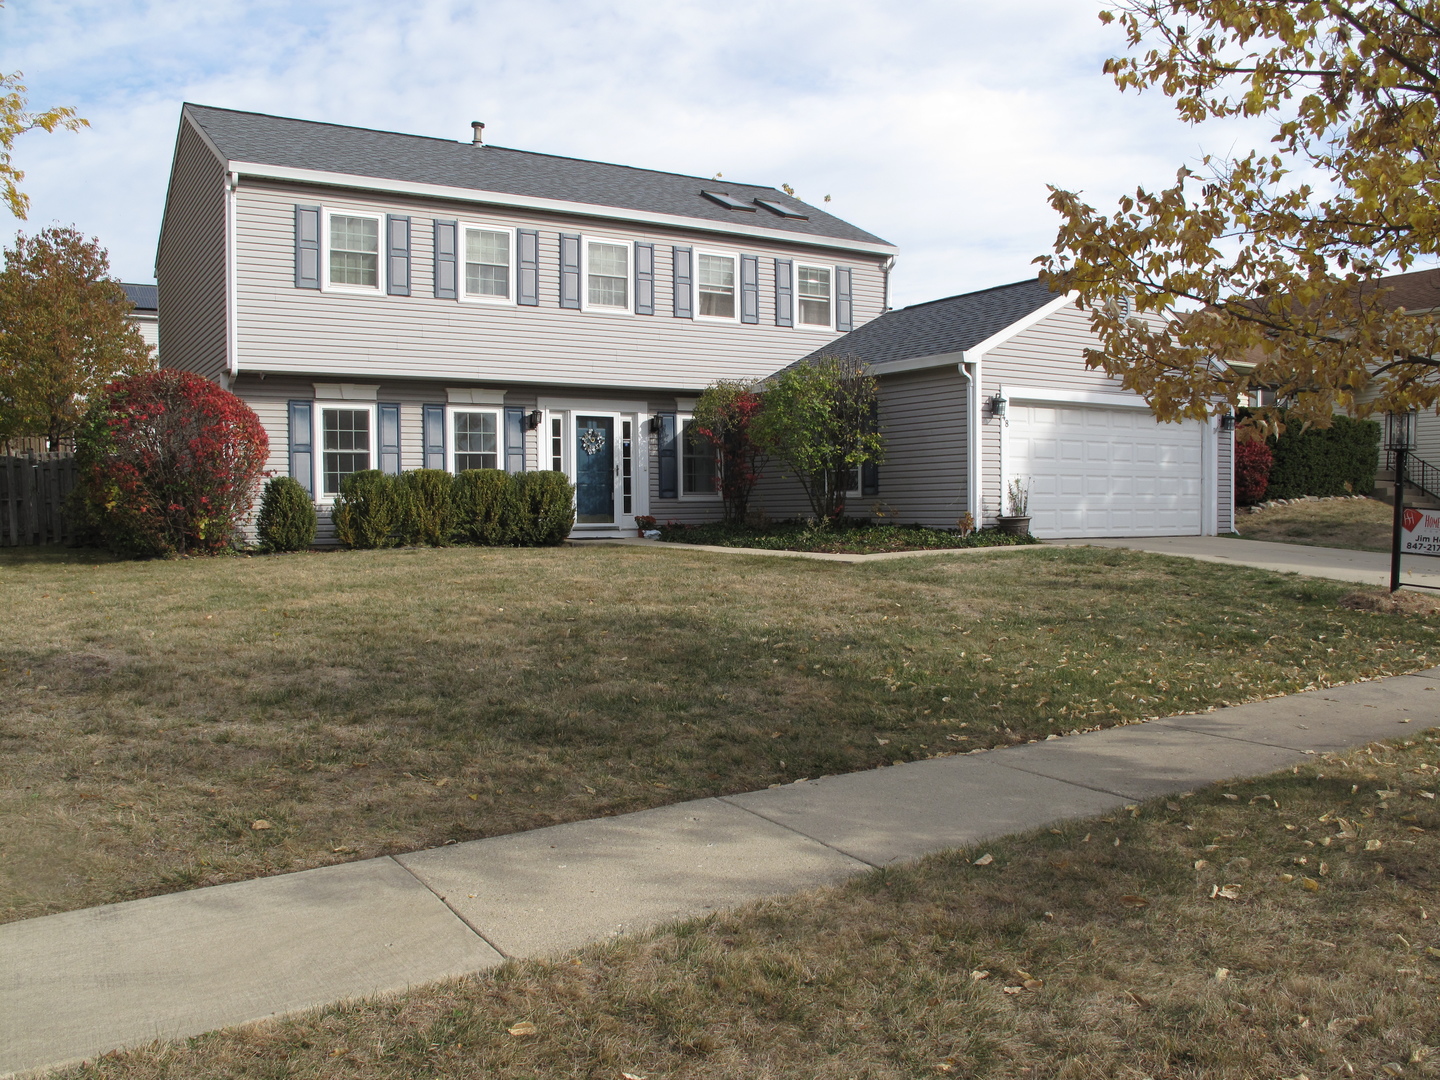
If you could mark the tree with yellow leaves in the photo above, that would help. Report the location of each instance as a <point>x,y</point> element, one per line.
<point>1273,257</point>
<point>15,120</point>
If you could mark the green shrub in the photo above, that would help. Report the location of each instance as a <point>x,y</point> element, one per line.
<point>368,511</point>
<point>287,516</point>
<point>546,506</point>
<point>1338,460</point>
<point>427,506</point>
<point>485,511</point>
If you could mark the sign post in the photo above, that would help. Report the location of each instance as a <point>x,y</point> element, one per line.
<point>1399,526</point>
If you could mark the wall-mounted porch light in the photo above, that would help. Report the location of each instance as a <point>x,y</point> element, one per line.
<point>1227,422</point>
<point>532,420</point>
<point>999,405</point>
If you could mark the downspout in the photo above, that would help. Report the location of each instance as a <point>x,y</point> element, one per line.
<point>885,268</point>
<point>972,436</point>
<point>232,317</point>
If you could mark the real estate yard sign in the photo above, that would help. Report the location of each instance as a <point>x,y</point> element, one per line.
<point>1420,533</point>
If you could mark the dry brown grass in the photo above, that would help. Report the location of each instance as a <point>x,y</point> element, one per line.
<point>1096,951</point>
<point>1357,524</point>
<point>373,702</point>
<point>1401,603</point>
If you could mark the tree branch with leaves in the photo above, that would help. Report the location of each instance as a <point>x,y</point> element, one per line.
<point>1272,257</point>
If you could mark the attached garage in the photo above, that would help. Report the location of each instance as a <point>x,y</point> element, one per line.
<point>984,389</point>
<point>1095,470</point>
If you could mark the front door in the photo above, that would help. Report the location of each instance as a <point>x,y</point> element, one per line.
<point>594,470</point>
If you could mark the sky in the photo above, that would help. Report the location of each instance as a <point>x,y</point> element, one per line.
<point>935,125</point>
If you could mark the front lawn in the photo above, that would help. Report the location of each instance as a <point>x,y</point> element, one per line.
<point>1277,927</point>
<point>1358,524</point>
<point>358,703</point>
<point>859,537</point>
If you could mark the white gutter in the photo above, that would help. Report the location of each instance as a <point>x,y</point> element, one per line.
<point>557,206</point>
<point>972,436</point>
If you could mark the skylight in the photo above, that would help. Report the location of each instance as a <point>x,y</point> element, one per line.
<point>783,211</point>
<point>727,201</point>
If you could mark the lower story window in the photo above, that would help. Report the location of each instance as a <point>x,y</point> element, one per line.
<point>345,446</point>
<point>477,442</point>
<point>697,461</point>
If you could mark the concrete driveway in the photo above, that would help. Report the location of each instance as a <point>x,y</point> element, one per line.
<point>1338,564</point>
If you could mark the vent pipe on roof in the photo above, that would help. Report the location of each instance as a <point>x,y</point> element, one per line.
<point>479,137</point>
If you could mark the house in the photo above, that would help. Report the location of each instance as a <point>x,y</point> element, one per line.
<point>392,301</point>
<point>990,387</point>
<point>146,313</point>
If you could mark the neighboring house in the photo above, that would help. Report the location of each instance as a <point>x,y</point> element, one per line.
<point>146,315</point>
<point>988,387</point>
<point>391,301</point>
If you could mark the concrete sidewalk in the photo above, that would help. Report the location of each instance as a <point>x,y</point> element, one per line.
<point>76,985</point>
<point>1338,564</point>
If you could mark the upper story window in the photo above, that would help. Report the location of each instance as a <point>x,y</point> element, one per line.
<point>344,446</point>
<point>715,284</point>
<point>608,273</point>
<point>354,250</point>
<point>812,285</point>
<point>488,255</point>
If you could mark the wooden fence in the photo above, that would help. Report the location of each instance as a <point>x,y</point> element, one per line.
<point>33,494</point>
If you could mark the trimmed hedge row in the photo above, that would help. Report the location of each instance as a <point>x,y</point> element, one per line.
<point>1338,460</point>
<point>429,506</point>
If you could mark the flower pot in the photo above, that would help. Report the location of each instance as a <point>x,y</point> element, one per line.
<point>1016,526</point>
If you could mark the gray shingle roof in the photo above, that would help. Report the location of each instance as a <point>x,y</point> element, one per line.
<point>951,325</point>
<point>306,144</point>
<point>144,297</point>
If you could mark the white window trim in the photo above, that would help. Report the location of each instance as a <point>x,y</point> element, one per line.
<point>495,411</point>
<point>322,406</point>
<point>681,419</point>
<point>797,297</point>
<point>383,255</point>
<point>585,305</point>
<point>514,264</point>
<point>733,256</point>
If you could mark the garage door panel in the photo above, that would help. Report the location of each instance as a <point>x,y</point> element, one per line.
<point>1107,472</point>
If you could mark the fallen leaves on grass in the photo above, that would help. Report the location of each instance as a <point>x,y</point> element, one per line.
<point>524,1027</point>
<point>261,824</point>
<point>1131,900</point>
<point>985,860</point>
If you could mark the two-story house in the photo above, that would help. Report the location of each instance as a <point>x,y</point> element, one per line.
<point>393,301</point>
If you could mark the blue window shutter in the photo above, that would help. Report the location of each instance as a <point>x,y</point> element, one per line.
<point>389,441</point>
<point>749,289</point>
<point>302,445</point>
<point>844,305</point>
<point>784,292</point>
<point>307,247</point>
<point>684,283</point>
<point>397,265</point>
<point>569,270</point>
<point>514,440</point>
<point>527,286</point>
<point>433,436</point>
<point>644,279</point>
<point>446,270</point>
<point>665,442</point>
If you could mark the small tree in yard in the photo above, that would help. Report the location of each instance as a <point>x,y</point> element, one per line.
<point>64,333</point>
<point>726,415</point>
<point>819,418</point>
<point>168,463</point>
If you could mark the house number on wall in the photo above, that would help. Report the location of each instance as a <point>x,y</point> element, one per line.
<point>593,441</point>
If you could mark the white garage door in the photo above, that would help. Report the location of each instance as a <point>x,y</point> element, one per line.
<point>1098,471</point>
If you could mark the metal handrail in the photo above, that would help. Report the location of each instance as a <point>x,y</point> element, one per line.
<point>1418,472</point>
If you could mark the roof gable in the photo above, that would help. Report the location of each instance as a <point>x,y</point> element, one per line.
<point>940,327</point>
<point>261,139</point>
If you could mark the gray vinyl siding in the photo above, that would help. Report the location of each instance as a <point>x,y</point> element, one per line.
<point>1225,482</point>
<point>1427,436</point>
<point>376,336</point>
<point>190,262</point>
<point>924,420</point>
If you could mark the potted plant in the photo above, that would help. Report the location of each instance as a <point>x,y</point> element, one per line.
<point>644,523</point>
<point>1017,500</point>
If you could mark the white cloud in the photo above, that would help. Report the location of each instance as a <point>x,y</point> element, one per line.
<point>933,124</point>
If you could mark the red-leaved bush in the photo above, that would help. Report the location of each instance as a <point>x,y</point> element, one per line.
<point>169,463</point>
<point>1252,470</point>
